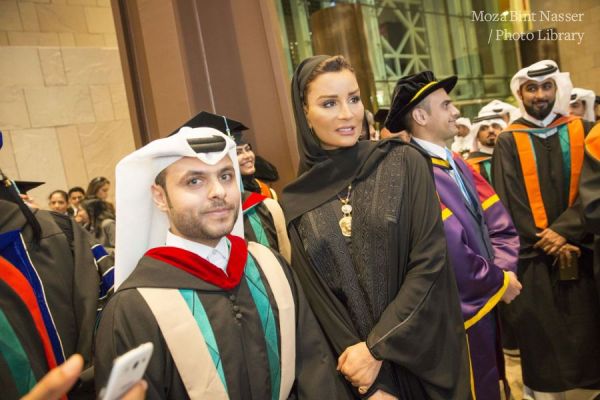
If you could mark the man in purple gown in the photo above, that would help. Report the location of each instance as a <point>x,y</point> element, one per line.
<point>483,244</point>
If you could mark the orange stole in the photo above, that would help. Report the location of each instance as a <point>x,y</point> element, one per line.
<point>264,189</point>
<point>592,142</point>
<point>529,166</point>
<point>474,163</point>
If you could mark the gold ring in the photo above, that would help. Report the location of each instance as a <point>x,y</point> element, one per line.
<point>362,389</point>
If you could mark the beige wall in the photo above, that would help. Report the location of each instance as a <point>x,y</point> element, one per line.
<point>582,61</point>
<point>63,107</point>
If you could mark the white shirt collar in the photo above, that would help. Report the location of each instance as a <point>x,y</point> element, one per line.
<point>218,255</point>
<point>486,149</point>
<point>543,123</point>
<point>432,148</point>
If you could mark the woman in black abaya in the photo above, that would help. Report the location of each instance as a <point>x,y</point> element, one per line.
<point>369,248</point>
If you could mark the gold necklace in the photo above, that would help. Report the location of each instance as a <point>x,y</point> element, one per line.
<point>346,221</point>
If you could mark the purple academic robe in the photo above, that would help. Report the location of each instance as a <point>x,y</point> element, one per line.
<point>482,244</point>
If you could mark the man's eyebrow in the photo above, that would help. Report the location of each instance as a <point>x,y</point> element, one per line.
<point>228,168</point>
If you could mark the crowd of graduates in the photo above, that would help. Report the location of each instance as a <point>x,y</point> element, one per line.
<point>437,257</point>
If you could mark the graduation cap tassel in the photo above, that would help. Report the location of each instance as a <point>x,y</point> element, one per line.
<point>226,126</point>
<point>10,188</point>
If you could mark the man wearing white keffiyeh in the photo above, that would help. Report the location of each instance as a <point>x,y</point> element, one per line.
<point>535,169</point>
<point>226,317</point>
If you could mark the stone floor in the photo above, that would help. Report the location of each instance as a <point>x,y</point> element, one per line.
<point>513,374</point>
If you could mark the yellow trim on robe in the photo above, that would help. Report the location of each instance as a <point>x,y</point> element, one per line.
<point>440,162</point>
<point>491,303</point>
<point>490,201</point>
<point>423,89</point>
<point>472,378</point>
<point>446,213</point>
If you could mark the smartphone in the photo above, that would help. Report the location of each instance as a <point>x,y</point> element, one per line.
<point>126,371</point>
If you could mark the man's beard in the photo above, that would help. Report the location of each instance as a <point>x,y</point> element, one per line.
<point>490,141</point>
<point>539,114</point>
<point>193,226</point>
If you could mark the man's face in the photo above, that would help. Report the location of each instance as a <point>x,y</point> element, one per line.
<point>246,159</point>
<point>75,198</point>
<point>538,97</point>
<point>577,108</point>
<point>201,200</point>
<point>463,131</point>
<point>488,134</point>
<point>442,116</point>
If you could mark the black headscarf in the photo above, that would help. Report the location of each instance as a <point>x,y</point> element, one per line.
<point>324,173</point>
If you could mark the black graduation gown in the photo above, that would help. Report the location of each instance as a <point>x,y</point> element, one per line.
<point>484,164</point>
<point>22,324</point>
<point>589,192</point>
<point>557,323</point>
<point>391,285</point>
<point>266,221</point>
<point>69,275</point>
<point>128,322</point>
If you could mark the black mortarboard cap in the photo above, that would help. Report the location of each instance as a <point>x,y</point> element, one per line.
<point>218,122</point>
<point>25,186</point>
<point>409,91</point>
<point>381,115</point>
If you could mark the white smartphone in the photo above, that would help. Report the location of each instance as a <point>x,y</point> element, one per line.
<point>126,371</point>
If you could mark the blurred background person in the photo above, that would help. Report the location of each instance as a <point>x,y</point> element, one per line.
<point>101,222</point>
<point>98,187</point>
<point>486,128</point>
<point>58,201</point>
<point>75,194</point>
<point>464,138</point>
<point>582,104</point>
<point>508,112</point>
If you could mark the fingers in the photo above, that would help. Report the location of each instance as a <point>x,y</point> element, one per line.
<point>568,257</point>
<point>342,360</point>
<point>519,285</point>
<point>58,381</point>
<point>544,241</point>
<point>542,233</point>
<point>552,250</point>
<point>137,392</point>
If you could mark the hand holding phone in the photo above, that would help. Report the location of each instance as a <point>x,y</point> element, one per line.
<point>127,370</point>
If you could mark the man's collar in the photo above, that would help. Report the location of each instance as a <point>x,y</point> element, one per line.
<point>486,149</point>
<point>199,249</point>
<point>541,123</point>
<point>432,148</point>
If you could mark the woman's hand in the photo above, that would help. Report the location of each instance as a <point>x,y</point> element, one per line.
<point>359,366</point>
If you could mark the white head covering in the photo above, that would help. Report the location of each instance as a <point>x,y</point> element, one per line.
<point>500,107</point>
<point>589,97</point>
<point>462,143</point>
<point>464,121</point>
<point>484,118</point>
<point>562,80</point>
<point>140,225</point>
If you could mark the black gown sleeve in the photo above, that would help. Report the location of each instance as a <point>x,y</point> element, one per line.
<point>422,328</point>
<point>589,189</point>
<point>126,323</point>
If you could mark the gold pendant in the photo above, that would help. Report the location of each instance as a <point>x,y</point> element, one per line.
<point>346,225</point>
